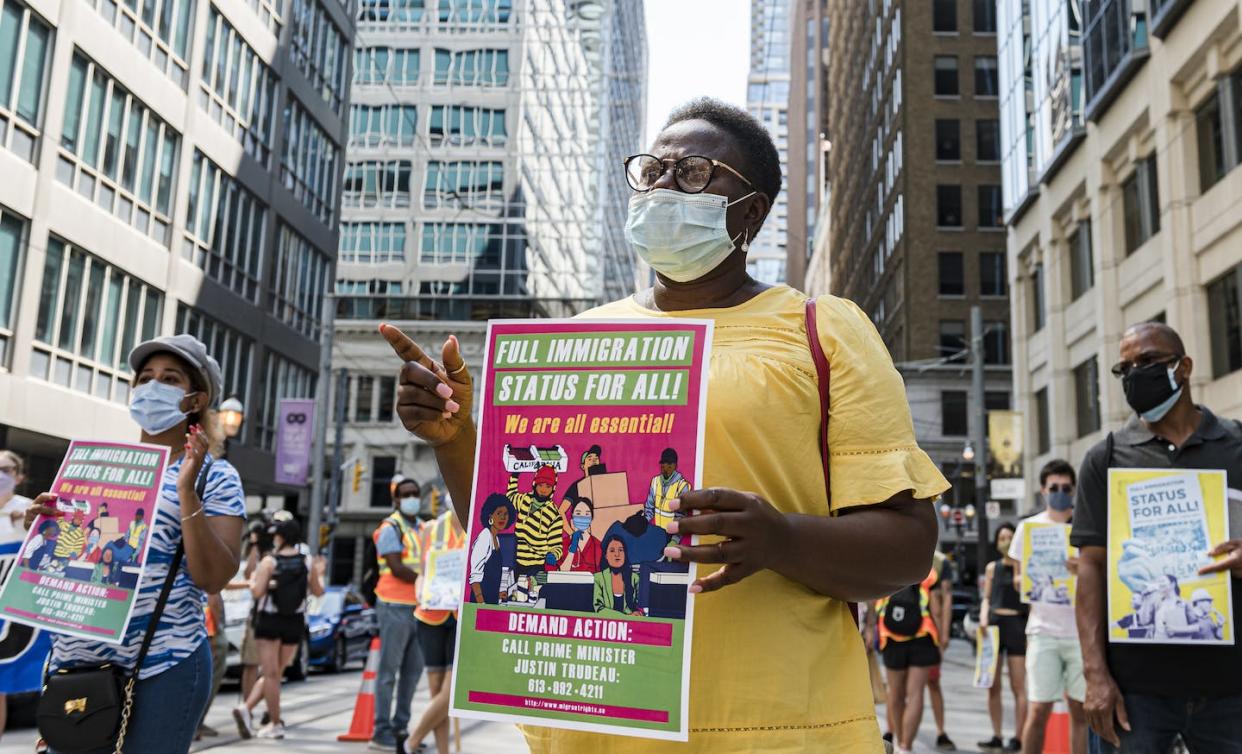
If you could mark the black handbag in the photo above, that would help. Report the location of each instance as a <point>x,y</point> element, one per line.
<point>88,708</point>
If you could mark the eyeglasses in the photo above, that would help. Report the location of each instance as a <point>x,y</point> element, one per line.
<point>692,173</point>
<point>1061,488</point>
<point>1123,368</point>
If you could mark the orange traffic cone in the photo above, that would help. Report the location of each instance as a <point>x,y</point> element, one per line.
<point>362,727</point>
<point>1057,732</point>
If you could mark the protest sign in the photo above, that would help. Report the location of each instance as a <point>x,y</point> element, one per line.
<point>987,656</point>
<point>440,586</point>
<point>570,617</point>
<point>1161,525</point>
<point>78,572</point>
<point>1046,577</point>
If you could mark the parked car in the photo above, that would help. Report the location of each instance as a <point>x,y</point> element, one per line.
<point>341,628</point>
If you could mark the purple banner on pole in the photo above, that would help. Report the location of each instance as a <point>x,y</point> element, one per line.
<point>294,429</point>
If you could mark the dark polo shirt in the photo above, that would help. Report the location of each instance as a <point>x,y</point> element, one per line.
<point>1169,669</point>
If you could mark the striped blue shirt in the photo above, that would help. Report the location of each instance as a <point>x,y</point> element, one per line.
<point>181,627</point>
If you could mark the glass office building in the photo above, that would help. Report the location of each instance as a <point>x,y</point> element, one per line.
<point>767,98</point>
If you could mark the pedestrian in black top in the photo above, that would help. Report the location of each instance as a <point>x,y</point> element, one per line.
<point>1002,607</point>
<point>1141,696</point>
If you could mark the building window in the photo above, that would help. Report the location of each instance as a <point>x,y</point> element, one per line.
<point>116,152</point>
<point>1219,125</point>
<point>949,206</point>
<point>1082,260</point>
<point>225,227</point>
<point>382,125</point>
<point>386,65</point>
<point>460,243</point>
<point>987,83</point>
<point>387,399</point>
<point>160,29</point>
<point>91,315</point>
<point>238,89</point>
<point>318,49</point>
<point>383,468</point>
<point>1037,298</point>
<point>364,396</point>
<point>993,277</point>
<point>465,126</point>
<point>472,67</point>
<point>944,15</point>
<point>1087,397</point>
<point>1225,321</point>
<point>372,243</point>
<point>392,11</point>
<point>953,413</point>
<point>948,140</point>
<point>987,140</point>
<point>282,378</point>
<point>12,243</point>
<point>996,342</point>
<point>991,207</point>
<point>1113,31</point>
<point>234,351</point>
<point>952,344</point>
<point>946,76</point>
<point>377,184</point>
<point>952,275</point>
<point>308,165</point>
<point>468,13</point>
<point>995,400</point>
<point>1043,428</point>
<point>299,281</point>
<point>466,184</point>
<point>21,79</point>
<point>1141,204</point>
<point>985,16</point>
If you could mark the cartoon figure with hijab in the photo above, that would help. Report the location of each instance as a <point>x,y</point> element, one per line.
<point>616,584</point>
<point>486,562</point>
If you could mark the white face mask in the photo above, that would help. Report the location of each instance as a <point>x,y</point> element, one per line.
<point>681,236</point>
<point>157,407</point>
<point>410,506</point>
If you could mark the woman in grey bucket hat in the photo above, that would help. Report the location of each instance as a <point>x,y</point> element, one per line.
<point>174,386</point>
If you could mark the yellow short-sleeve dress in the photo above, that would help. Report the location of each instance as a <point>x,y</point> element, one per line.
<point>776,667</point>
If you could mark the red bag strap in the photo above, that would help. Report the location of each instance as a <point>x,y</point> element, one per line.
<point>823,374</point>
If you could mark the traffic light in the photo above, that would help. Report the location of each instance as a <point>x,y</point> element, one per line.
<point>325,531</point>
<point>358,469</point>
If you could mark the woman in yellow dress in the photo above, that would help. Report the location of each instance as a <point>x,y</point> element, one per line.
<point>777,662</point>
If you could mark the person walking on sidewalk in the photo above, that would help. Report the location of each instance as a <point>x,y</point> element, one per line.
<point>910,648</point>
<point>175,384</point>
<point>279,586</point>
<point>399,557</point>
<point>1002,607</point>
<point>1053,657</point>
<point>437,636</point>
<point>779,538</point>
<point>1140,697</point>
<point>944,619</point>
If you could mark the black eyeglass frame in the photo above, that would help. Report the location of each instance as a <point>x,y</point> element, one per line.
<point>1123,368</point>
<point>667,163</point>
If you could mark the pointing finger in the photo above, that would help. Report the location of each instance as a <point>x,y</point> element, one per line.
<point>404,347</point>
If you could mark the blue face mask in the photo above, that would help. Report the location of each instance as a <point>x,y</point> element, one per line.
<point>681,236</point>
<point>410,506</point>
<point>582,523</point>
<point>157,407</point>
<point>1060,501</point>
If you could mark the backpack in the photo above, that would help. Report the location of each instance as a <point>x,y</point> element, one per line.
<point>370,577</point>
<point>287,588</point>
<point>903,613</point>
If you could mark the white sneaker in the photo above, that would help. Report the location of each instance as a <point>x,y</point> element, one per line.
<point>245,722</point>
<point>272,730</point>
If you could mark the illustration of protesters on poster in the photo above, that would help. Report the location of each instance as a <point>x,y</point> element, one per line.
<point>571,615</point>
<point>1161,524</point>
<point>1046,576</point>
<point>77,572</point>
<point>987,656</point>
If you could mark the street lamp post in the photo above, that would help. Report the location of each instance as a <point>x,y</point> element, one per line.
<point>232,416</point>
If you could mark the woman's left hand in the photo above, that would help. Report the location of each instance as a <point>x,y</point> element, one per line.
<point>754,534</point>
<point>192,463</point>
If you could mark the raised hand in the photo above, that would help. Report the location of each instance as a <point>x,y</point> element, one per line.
<point>43,505</point>
<point>192,463</point>
<point>433,398</point>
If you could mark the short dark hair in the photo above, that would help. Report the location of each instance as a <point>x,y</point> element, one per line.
<point>408,480</point>
<point>754,143</point>
<point>1170,337</point>
<point>668,456</point>
<point>1057,466</point>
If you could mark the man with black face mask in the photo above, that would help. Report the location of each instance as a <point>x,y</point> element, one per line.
<point>1141,696</point>
<point>1053,658</point>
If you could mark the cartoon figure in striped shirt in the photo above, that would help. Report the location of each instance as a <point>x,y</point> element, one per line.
<point>539,528</point>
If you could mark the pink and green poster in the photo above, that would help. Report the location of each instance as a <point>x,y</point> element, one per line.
<point>78,571</point>
<point>571,616</point>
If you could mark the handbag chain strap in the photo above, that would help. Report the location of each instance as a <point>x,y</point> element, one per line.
<point>156,614</point>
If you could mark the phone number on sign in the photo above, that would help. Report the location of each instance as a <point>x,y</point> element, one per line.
<point>565,688</point>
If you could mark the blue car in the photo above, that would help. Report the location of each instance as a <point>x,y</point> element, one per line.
<point>341,627</point>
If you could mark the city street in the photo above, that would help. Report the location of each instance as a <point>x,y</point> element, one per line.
<point>320,708</point>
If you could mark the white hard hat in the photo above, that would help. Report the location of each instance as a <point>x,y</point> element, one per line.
<point>1200,595</point>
